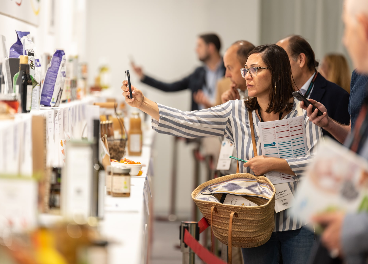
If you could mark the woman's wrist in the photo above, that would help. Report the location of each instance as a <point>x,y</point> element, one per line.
<point>142,103</point>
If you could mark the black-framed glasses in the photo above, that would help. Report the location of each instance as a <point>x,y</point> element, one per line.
<point>252,71</point>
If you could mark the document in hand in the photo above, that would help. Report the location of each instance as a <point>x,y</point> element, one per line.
<point>334,180</point>
<point>283,139</point>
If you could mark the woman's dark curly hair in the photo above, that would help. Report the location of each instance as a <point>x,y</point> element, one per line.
<point>277,61</point>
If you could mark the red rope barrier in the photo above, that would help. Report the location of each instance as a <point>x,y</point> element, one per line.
<point>200,250</point>
<point>203,224</point>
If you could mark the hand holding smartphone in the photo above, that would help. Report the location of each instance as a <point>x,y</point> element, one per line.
<point>301,97</point>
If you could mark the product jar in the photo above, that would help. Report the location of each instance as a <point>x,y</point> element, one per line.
<point>120,182</point>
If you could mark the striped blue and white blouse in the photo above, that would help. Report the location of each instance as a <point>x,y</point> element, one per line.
<point>231,120</point>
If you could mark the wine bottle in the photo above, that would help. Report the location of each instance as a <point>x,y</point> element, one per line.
<point>23,85</point>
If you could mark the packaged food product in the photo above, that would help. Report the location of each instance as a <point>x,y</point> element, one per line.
<point>135,135</point>
<point>17,48</point>
<point>54,80</point>
<point>120,182</point>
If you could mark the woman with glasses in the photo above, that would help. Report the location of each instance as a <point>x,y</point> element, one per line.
<point>268,77</point>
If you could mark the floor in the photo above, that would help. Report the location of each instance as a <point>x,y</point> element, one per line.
<point>165,243</point>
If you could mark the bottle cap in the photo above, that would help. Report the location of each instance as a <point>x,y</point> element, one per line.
<point>23,59</point>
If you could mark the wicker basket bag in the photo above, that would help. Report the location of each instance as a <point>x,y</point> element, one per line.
<point>238,226</point>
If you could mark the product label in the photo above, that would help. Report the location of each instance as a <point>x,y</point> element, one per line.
<point>36,98</point>
<point>17,89</point>
<point>121,184</point>
<point>29,97</point>
<point>135,143</point>
<point>54,80</point>
<point>108,183</point>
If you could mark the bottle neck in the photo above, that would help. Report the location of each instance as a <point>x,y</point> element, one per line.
<point>24,67</point>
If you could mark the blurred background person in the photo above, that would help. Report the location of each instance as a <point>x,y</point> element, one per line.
<point>334,67</point>
<point>347,234</point>
<point>201,82</point>
<point>304,68</point>
<point>358,92</point>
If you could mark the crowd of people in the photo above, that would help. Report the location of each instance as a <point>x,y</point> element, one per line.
<point>257,82</point>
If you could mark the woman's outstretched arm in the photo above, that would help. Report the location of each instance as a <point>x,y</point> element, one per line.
<point>139,101</point>
<point>214,121</point>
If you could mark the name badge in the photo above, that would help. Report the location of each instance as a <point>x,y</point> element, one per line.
<point>226,151</point>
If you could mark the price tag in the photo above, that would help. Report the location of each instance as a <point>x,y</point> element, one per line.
<point>78,180</point>
<point>18,207</point>
<point>26,163</point>
<point>283,197</point>
<point>226,151</point>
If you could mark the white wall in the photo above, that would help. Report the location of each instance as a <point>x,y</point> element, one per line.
<point>68,33</point>
<point>318,21</point>
<point>160,35</point>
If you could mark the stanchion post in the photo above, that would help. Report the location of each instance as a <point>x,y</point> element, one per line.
<point>193,229</point>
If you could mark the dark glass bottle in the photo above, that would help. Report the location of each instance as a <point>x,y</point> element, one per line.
<point>24,85</point>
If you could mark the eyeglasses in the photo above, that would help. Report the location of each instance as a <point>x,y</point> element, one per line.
<point>252,71</point>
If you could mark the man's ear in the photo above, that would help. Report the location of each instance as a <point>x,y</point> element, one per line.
<point>363,20</point>
<point>302,60</point>
<point>212,49</point>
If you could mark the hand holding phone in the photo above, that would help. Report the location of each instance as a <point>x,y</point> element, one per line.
<point>127,77</point>
<point>306,102</point>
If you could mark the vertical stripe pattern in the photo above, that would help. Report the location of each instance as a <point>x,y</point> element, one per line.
<point>231,120</point>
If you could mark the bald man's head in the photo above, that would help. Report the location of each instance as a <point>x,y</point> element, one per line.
<point>234,59</point>
<point>243,48</point>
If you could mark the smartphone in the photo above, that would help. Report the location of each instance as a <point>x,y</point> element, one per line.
<point>301,97</point>
<point>127,76</point>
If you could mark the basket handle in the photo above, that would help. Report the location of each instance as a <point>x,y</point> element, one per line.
<point>229,244</point>
<point>213,208</point>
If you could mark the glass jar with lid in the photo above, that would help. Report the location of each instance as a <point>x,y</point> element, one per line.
<point>120,182</point>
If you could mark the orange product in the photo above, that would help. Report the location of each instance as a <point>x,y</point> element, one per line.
<point>135,135</point>
<point>128,161</point>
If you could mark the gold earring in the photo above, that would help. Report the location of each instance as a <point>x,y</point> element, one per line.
<point>275,88</point>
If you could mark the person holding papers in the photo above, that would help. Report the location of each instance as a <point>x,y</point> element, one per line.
<point>268,76</point>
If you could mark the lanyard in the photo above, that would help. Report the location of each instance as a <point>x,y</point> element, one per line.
<point>311,85</point>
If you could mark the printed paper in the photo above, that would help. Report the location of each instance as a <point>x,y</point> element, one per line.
<point>283,139</point>
<point>333,181</point>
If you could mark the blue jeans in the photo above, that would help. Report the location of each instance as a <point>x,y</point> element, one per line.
<point>295,247</point>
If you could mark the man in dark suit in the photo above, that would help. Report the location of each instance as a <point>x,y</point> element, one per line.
<point>312,84</point>
<point>202,82</point>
